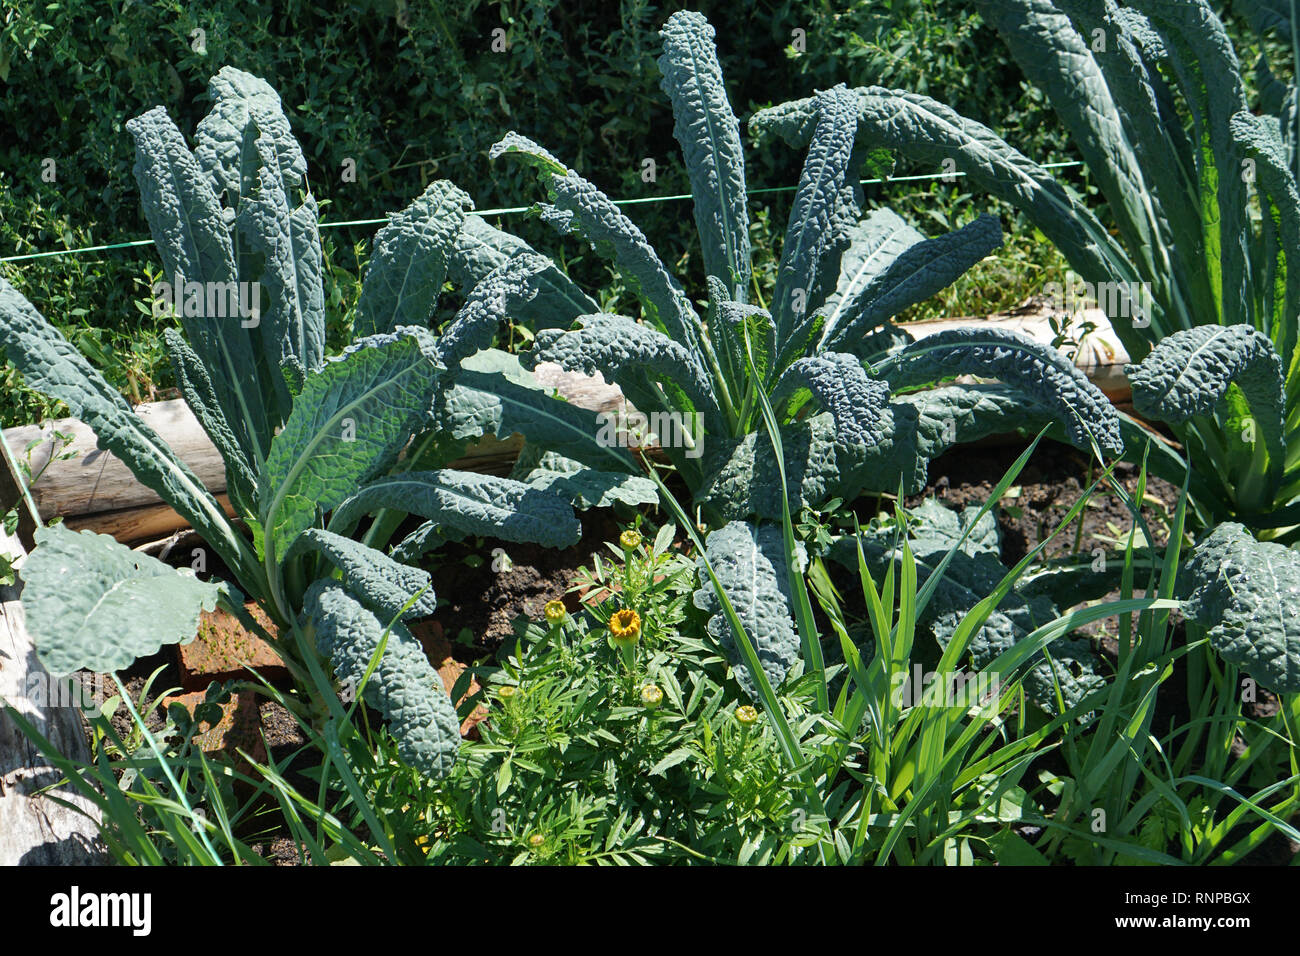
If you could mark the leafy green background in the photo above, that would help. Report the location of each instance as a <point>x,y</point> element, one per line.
<point>413,92</point>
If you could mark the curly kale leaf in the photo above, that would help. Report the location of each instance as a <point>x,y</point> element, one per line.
<point>1042,373</point>
<point>1247,594</point>
<point>404,687</point>
<point>750,564</point>
<point>1189,374</point>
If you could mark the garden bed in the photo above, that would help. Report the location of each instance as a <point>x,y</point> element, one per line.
<point>486,600</point>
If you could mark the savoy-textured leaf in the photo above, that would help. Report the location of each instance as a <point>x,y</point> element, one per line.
<point>493,395</point>
<point>487,306</point>
<point>1260,137</point>
<point>936,530</point>
<point>580,485</point>
<point>731,321</point>
<point>578,206</point>
<point>348,425</point>
<point>824,209</point>
<point>95,604</point>
<point>196,388</point>
<point>410,260</point>
<point>485,505</point>
<point>1189,373</point>
<point>839,385</point>
<point>750,564</point>
<point>245,107</point>
<point>930,133</point>
<point>288,240</point>
<point>180,205</point>
<point>955,414</point>
<point>404,687</point>
<point>927,267</point>
<point>874,243</point>
<point>1246,593</point>
<point>614,345</point>
<point>709,134</point>
<point>382,584</point>
<point>1041,372</point>
<point>190,231</point>
<point>480,248</point>
<point>743,480</point>
<point>1063,64</point>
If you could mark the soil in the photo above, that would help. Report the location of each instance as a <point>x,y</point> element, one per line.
<point>480,597</point>
<point>1051,482</point>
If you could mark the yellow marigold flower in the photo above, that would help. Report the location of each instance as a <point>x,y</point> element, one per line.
<point>625,626</point>
<point>652,695</point>
<point>555,611</point>
<point>630,540</point>
<point>536,839</point>
<point>506,691</point>
<point>747,715</point>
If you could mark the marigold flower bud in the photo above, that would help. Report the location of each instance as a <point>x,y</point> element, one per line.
<point>625,627</point>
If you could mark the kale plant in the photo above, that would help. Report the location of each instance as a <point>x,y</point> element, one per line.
<point>840,377</point>
<point>1203,193</point>
<point>315,447</point>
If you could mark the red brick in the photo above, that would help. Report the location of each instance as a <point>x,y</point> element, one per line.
<point>224,650</point>
<point>240,726</point>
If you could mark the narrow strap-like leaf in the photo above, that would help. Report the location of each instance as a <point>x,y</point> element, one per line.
<point>50,364</point>
<point>1189,374</point>
<point>384,585</point>
<point>751,567</point>
<point>1040,371</point>
<point>709,134</point>
<point>578,206</point>
<point>923,270</point>
<point>874,244</point>
<point>468,502</point>
<point>823,210</point>
<point>404,687</point>
<point>480,248</point>
<point>840,385</point>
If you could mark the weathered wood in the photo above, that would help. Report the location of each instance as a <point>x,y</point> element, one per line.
<point>94,490</point>
<point>1100,354</point>
<point>34,828</point>
<point>95,481</point>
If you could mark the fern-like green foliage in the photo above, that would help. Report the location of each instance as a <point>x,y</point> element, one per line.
<point>815,351</point>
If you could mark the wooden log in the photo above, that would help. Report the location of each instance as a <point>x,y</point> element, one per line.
<point>34,828</point>
<point>1099,354</point>
<point>94,490</point>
